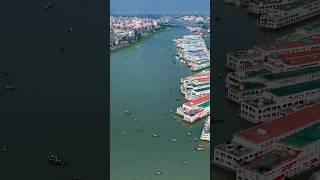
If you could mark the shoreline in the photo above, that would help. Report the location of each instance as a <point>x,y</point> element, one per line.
<point>149,35</point>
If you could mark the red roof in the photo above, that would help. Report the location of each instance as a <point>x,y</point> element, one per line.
<point>287,45</point>
<point>297,54</point>
<point>303,59</point>
<point>283,125</point>
<point>203,79</point>
<point>197,101</point>
<point>202,74</point>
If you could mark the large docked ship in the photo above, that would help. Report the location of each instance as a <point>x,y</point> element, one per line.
<point>277,87</point>
<point>193,51</point>
<point>205,134</point>
<point>276,149</point>
<point>288,14</point>
<point>195,109</point>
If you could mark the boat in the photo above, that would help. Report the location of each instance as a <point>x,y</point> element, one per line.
<point>70,29</point>
<point>65,50</point>
<point>155,135</point>
<point>189,134</point>
<point>199,148</point>
<point>55,160</point>
<point>5,149</point>
<point>185,162</point>
<point>205,134</point>
<point>10,87</point>
<point>173,139</point>
<point>127,112</point>
<point>5,73</point>
<point>218,18</point>
<point>49,6</point>
<point>157,172</point>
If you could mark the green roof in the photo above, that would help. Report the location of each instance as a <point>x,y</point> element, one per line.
<point>290,74</point>
<point>202,89</point>
<point>291,6</point>
<point>312,27</point>
<point>269,161</point>
<point>204,105</point>
<point>297,88</point>
<point>303,137</point>
<point>251,85</point>
<point>250,74</point>
<point>292,37</point>
<point>200,84</point>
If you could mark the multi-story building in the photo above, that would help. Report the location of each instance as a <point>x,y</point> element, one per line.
<point>296,153</point>
<point>243,59</point>
<point>246,151</point>
<point>248,85</point>
<point>304,33</point>
<point>277,102</point>
<point>289,14</point>
<point>195,109</point>
<point>259,7</point>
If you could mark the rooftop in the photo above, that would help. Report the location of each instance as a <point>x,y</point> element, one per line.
<point>198,101</point>
<point>312,27</point>
<point>298,54</point>
<point>291,37</point>
<point>288,45</point>
<point>250,74</point>
<point>234,149</point>
<point>202,89</point>
<point>281,126</point>
<point>303,137</point>
<point>243,54</point>
<point>270,161</point>
<point>205,105</point>
<point>297,88</point>
<point>308,59</point>
<point>291,74</point>
<point>247,86</point>
<point>291,6</point>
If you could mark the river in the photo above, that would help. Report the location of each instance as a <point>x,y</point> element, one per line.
<point>142,76</point>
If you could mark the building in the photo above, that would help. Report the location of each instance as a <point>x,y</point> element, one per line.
<point>243,59</point>
<point>247,148</point>
<point>296,153</point>
<point>195,109</point>
<point>277,102</point>
<point>259,7</point>
<point>288,14</point>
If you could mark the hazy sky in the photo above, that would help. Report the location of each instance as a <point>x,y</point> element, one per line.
<point>147,6</point>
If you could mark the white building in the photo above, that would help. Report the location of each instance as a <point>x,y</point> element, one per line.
<point>264,6</point>
<point>289,14</point>
<point>277,102</point>
<point>251,144</point>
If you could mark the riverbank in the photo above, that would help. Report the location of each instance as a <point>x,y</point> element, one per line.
<point>148,35</point>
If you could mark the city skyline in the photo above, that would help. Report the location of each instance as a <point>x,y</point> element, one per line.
<point>147,6</point>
